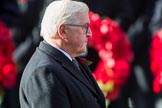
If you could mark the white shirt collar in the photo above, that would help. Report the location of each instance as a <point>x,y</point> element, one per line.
<point>65,53</point>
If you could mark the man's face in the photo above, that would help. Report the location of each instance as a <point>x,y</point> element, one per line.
<point>77,36</point>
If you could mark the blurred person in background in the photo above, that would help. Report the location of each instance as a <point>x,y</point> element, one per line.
<point>9,15</point>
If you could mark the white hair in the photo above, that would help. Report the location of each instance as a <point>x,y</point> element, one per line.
<point>59,12</point>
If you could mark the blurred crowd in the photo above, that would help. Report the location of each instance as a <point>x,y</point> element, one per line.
<point>139,19</point>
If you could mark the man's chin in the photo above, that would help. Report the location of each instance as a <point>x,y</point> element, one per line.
<point>85,53</point>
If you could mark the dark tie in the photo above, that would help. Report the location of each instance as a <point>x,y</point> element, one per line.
<point>82,71</point>
<point>76,63</point>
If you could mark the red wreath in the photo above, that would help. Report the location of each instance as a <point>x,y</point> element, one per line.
<point>115,53</point>
<point>156,61</point>
<point>7,66</point>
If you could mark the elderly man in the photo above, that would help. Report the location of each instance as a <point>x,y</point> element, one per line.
<point>51,79</point>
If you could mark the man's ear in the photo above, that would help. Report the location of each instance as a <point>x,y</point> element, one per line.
<point>61,31</point>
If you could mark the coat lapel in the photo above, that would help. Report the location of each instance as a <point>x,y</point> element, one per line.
<point>77,74</point>
<point>94,83</point>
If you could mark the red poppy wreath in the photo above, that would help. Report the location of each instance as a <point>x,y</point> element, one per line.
<point>114,51</point>
<point>156,61</point>
<point>7,66</point>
